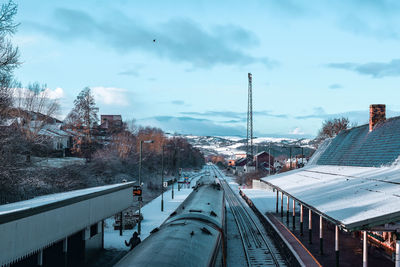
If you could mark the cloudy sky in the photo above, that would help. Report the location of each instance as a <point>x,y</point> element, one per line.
<point>311,60</point>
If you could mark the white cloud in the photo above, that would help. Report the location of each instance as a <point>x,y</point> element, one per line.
<point>47,93</point>
<point>54,94</point>
<point>111,95</point>
<point>297,131</point>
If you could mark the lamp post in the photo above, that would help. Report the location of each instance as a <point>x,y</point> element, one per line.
<point>162,176</point>
<point>140,180</point>
<point>179,169</point>
<point>162,179</point>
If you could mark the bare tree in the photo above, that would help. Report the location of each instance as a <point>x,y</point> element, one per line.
<point>331,128</point>
<point>33,109</point>
<point>9,55</point>
<point>124,143</point>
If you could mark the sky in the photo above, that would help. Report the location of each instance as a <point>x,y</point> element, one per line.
<point>310,60</point>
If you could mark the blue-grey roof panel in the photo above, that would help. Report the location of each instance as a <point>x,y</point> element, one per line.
<point>359,147</point>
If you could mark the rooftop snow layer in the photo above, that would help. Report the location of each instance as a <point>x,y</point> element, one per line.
<point>53,199</point>
<point>355,197</point>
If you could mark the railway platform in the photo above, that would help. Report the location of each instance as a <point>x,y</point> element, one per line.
<point>351,247</point>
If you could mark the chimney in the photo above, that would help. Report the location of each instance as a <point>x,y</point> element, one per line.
<point>377,113</point>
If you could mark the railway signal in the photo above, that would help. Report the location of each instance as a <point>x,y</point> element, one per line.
<point>137,190</point>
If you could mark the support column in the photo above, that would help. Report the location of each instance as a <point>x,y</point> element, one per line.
<point>277,200</point>
<point>321,239</point>
<point>309,226</point>
<point>40,258</point>
<point>294,214</point>
<point>281,204</point>
<point>337,245</point>
<point>365,249</point>
<point>301,219</point>
<point>102,234</point>
<point>65,251</point>
<point>121,225</point>
<point>287,210</point>
<point>397,261</point>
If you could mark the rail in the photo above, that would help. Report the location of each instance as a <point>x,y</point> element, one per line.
<point>258,248</point>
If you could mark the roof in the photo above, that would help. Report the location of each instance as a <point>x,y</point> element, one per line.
<point>29,226</point>
<point>111,117</point>
<point>260,153</point>
<point>353,179</point>
<point>39,204</point>
<point>354,197</point>
<point>360,147</point>
<point>241,161</point>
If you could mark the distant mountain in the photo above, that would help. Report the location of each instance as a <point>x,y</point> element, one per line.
<point>229,146</point>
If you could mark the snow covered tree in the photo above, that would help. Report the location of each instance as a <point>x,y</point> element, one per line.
<point>34,109</point>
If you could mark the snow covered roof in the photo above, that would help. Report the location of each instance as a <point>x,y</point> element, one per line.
<point>28,207</point>
<point>353,179</point>
<point>353,197</point>
<point>29,226</point>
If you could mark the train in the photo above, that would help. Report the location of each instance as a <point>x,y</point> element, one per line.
<point>193,235</point>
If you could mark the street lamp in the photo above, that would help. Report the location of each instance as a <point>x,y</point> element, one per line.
<point>162,176</point>
<point>140,180</point>
<point>179,169</point>
<point>162,179</point>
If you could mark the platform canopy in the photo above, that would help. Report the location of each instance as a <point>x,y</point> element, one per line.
<point>355,198</point>
<point>31,225</point>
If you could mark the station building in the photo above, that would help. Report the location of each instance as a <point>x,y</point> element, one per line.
<point>352,182</point>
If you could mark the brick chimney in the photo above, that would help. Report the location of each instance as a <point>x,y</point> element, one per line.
<point>377,113</point>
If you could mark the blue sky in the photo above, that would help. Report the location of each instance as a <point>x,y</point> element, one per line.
<point>311,60</point>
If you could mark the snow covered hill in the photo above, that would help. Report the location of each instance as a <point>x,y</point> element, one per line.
<point>230,146</point>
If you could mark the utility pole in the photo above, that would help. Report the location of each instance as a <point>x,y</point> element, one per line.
<point>269,159</point>
<point>140,182</point>
<point>256,158</point>
<point>162,178</point>
<point>249,145</point>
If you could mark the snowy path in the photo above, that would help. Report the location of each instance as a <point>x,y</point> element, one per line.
<point>152,217</point>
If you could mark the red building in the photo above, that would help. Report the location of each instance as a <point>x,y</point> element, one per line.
<point>263,159</point>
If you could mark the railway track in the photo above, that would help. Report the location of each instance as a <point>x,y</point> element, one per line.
<point>258,248</point>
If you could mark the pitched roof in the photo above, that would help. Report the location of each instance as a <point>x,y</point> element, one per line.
<point>260,153</point>
<point>360,147</point>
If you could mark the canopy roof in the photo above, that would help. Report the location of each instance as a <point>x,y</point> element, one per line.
<point>26,208</point>
<point>355,198</point>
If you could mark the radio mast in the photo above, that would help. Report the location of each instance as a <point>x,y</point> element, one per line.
<point>249,145</point>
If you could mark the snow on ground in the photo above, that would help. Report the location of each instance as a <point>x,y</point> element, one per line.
<point>229,145</point>
<point>57,162</point>
<point>263,199</point>
<point>152,217</point>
